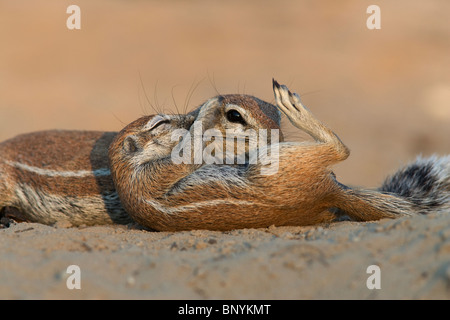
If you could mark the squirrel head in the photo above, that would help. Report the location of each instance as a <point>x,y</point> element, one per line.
<point>151,137</point>
<point>238,113</point>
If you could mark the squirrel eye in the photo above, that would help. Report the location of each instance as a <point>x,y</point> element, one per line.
<point>235,116</point>
<point>156,121</point>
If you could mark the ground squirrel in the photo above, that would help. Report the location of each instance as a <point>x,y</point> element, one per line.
<point>54,176</point>
<point>165,196</point>
<point>64,176</point>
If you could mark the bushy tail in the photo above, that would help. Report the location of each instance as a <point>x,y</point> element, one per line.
<point>420,187</point>
<point>425,183</point>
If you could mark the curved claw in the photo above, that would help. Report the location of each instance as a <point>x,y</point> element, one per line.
<point>275,84</point>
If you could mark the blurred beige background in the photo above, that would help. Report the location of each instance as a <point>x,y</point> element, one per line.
<point>385,92</point>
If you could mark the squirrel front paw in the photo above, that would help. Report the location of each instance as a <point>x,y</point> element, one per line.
<point>289,103</point>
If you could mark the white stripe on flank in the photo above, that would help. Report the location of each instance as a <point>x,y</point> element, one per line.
<point>55,173</point>
<point>195,205</point>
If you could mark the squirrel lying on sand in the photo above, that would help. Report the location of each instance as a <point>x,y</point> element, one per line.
<point>66,176</point>
<point>303,190</point>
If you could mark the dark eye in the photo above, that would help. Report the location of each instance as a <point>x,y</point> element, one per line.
<point>235,116</point>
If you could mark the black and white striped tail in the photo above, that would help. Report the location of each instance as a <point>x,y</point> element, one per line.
<point>425,183</point>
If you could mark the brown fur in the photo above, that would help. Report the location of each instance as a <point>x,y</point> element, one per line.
<point>37,161</point>
<point>61,175</point>
<point>165,196</point>
<point>52,176</point>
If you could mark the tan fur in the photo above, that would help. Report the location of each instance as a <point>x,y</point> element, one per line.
<point>165,196</point>
<point>60,175</point>
<point>56,176</point>
<point>44,173</point>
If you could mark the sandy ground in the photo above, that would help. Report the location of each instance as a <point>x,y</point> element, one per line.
<point>321,262</point>
<point>385,92</point>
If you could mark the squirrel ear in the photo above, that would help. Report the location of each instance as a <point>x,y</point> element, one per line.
<point>130,144</point>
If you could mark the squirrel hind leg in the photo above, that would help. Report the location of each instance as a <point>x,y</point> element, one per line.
<point>425,182</point>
